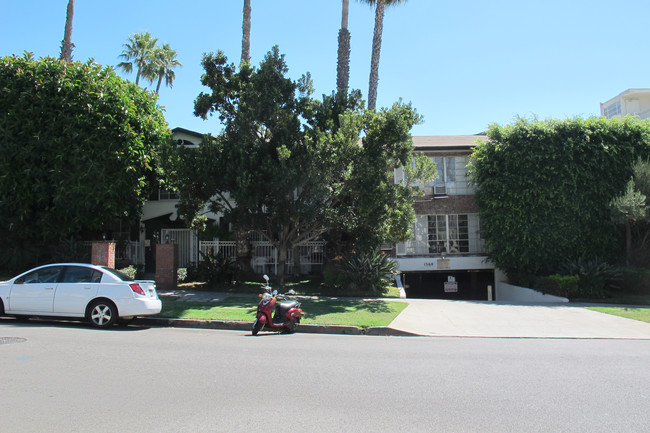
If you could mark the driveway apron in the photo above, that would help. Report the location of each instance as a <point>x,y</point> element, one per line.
<point>497,319</point>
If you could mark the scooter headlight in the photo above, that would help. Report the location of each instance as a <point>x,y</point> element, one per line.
<point>266,297</point>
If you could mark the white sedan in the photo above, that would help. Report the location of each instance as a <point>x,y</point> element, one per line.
<point>97,293</point>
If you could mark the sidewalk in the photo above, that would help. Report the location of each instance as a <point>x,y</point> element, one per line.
<point>444,318</point>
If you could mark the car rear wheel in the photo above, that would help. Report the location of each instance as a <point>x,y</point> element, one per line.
<point>102,313</point>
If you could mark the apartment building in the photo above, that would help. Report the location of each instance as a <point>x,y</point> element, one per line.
<point>633,102</point>
<point>445,258</point>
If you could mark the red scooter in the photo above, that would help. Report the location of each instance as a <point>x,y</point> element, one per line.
<point>287,314</point>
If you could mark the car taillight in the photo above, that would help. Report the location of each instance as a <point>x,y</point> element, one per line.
<point>136,288</point>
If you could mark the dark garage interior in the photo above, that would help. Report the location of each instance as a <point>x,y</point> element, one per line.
<point>465,285</point>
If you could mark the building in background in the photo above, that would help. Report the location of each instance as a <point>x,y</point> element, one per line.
<point>633,102</point>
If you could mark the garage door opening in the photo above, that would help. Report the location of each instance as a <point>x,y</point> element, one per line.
<point>465,285</point>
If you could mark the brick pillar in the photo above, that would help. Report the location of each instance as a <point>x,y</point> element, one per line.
<point>166,266</point>
<point>103,254</point>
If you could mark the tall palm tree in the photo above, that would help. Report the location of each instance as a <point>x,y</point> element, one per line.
<point>138,51</point>
<point>66,44</point>
<point>380,5</point>
<point>343,64</point>
<point>162,66</point>
<point>246,34</point>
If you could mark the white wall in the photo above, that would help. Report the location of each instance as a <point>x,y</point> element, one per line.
<point>509,293</point>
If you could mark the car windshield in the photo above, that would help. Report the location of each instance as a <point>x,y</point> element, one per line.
<point>121,275</point>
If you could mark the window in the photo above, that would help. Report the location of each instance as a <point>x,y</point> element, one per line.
<point>44,275</point>
<point>168,194</point>
<point>448,234</point>
<point>612,110</point>
<point>121,275</point>
<point>446,169</point>
<point>79,274</point>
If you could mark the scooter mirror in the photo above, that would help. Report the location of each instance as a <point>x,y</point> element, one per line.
<point>291,292</point>
<point>275,292</point>
<point>266,277</point>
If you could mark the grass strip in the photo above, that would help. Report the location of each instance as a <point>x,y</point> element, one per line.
<point>357,313</point>
<point>642,314</point>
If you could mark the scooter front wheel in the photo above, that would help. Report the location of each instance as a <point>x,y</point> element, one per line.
<point>257,326</point>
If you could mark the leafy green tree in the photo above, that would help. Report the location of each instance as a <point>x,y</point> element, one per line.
<point>139,53</point>
<point>380,6</point>
<point>290,167</point>
<point>631,208</point>
<point>78,146</point>
<point>66,44</point>
<point>544,189</point>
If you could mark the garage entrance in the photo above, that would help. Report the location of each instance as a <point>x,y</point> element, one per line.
<point>465,285</point>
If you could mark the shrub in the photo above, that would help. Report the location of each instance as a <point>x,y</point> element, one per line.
<point>181,274</point>
<point>368,272</point>
<point>595,276</point>
<point>558,285</point>
<point>213,269</point>
<point>130,270</point>
<point>636,281</point>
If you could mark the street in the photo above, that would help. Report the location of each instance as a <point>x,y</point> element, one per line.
<point>67,377</point>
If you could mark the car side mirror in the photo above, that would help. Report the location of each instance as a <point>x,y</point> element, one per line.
<point>20,280</point>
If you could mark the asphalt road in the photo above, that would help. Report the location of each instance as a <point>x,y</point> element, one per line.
<point>67,377</point>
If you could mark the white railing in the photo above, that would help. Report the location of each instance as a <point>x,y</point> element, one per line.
<point>129,251</point>
<point>417,247</point>
<point>265,255</point>
<point>225,248</point>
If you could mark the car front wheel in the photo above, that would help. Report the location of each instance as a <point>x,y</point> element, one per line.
<point>102,313</point>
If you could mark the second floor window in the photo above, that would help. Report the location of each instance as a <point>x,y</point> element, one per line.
<point>446,166</point>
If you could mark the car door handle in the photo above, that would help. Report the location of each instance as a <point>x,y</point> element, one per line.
<point>49,288</point>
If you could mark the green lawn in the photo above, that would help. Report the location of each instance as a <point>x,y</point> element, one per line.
<point>636,313</point>
<point>357,313</point>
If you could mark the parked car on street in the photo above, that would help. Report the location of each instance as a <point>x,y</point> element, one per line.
<point>101,295</point>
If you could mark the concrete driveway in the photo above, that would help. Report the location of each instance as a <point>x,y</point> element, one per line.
<point>497,319</point>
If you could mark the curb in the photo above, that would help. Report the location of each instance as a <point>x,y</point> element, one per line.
<point>246,326</point>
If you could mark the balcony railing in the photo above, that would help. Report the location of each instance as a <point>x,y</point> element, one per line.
<point>462,247</point>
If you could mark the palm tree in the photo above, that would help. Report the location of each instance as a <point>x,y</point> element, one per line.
<point>376,47</point>
<point>343,65</point>
<point>246,34</point>
<point>140,49</point>
<point>66,44</point>
<point>162,66</point>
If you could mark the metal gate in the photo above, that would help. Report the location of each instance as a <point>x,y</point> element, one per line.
<point>188,244</point>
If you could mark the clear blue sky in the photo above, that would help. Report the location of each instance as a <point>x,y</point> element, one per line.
<point>462,63</point>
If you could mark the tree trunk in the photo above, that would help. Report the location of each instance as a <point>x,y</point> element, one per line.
<point>296,261</point>
<point>628,242</point>
<point>246,34</point>
<point>160,77</point>
<point>243,250</point>
<point>282,262</point>
<point>376,49</point>
<point>66,44</point>
<point>343,66</point>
